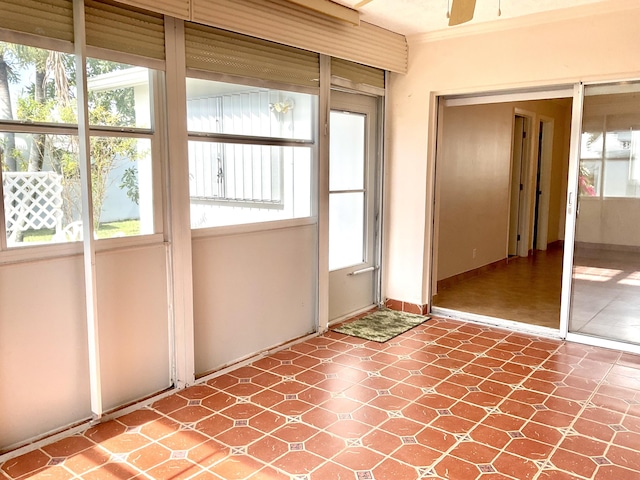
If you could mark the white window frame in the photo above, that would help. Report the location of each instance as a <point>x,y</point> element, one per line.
<point>27,252</point>
<point>254,140</point>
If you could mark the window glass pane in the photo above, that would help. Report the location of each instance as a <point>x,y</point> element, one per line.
<point>40,204</point>
<point>216,107</point>
<point>36,85</point>
<point>118,94</point>
<point>121,182</point>
<point>347,151</point>
<point>233,184</point>
<point>346,229</point>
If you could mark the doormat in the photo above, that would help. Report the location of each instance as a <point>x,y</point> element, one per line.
<point>381,325</point>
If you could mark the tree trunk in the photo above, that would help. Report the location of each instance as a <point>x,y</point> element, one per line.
<point>8,145</point>
<point>36,154</point>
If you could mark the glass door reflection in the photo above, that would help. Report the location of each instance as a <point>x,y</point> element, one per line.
<point>606,265</point>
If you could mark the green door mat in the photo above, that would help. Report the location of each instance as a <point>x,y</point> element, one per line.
<point>381,325</point>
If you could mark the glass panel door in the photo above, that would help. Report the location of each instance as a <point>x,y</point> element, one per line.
<point>353,195</point>
<point>606,262</point>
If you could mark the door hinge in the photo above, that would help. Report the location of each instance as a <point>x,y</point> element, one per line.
<point>521,187</point>
<point>524,134</point>
<point>518,239</point>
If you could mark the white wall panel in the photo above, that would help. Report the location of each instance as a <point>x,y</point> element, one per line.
<point>252,291</point>
<point>558,52</point>
<point>134,332</point>
<point>44,374</point>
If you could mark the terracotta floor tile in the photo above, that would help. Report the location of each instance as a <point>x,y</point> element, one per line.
<point>451,467</point>
<point>190,414</point>
<point>624,457</point>
<point>358,458</point>
<point>208,453</point>
<point>419,413</point>
<point>267,421</point>
<point>298,462</point>
<point>417,455</point>
<point>51,473</point>
<point>295,432</point>
<point>557,475</point>
<point>87,460</point>
<point>515,466</point>
<point>614,472</point>
<point>444,400</point>
<point>381,442</point>
<point>573,463</point>
<point>393,470</point>
<point>238,436</point>
<point>218,401</point>
<point>474,452</point>
<point>149,456</point>
<point>183,440</point>
<point>112,471</point>
<point>267,398</point>
<point>237,467</point>
<point>348,428</point>
<point>125,442</point>
<point>68,446</point>
<point>24,464</point>
<point>330,470</point>
<point>214,425</point>
<point>197,392</point>
<point>589,447</point>
<point>542,433</point>
<point>527,448</point>
<point>593,429</point>
<point>268,449</point>
<point>490,436</point>
<point>452,424</point>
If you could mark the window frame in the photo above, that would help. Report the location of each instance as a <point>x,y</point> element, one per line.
<point>29,252</point>
<point>256,140</point>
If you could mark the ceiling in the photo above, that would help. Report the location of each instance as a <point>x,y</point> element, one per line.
<point>411,17</point>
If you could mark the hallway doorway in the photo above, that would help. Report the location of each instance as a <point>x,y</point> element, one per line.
<point>499,209</point>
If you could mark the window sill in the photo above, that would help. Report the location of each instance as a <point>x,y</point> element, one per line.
<point>34,253</point>
<point>201,233</point>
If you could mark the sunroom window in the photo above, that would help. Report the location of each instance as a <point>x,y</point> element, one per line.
<point>39,147</point>
<point>250,153</point>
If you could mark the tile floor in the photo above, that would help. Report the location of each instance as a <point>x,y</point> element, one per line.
<point>606,293</point>
<point>447,400</point>
<point>524,290</point>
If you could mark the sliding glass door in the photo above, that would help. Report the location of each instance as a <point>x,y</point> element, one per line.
<point>605,292</point>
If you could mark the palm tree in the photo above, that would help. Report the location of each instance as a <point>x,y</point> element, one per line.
<point>8,142</point>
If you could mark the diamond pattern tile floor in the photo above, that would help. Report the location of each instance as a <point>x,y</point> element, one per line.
<point>446,400</point>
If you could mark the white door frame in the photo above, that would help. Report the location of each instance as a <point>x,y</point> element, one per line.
<point>545,181</point>
<point>372,107</point>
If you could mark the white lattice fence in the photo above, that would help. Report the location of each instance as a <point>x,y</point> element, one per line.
<point>32,200</point>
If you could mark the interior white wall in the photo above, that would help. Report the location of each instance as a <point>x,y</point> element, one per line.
<point>609,221</point>
<point>473,172</point>
<point>44,367</point>
<point>252,291</point>
<point>133,323</point>
<point>473,175</point>
<point>563,51</point>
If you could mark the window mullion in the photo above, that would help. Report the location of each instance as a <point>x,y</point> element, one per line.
<point>87,211</point>
<point>248,140</point>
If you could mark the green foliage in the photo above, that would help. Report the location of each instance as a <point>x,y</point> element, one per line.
<point>51,98</point>
<point>30,109</point>
<point>130,184</point>
<point>105,230</point>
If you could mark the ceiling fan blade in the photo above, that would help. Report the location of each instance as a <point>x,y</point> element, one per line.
<point>361,4</point>
<point>461,11</point>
